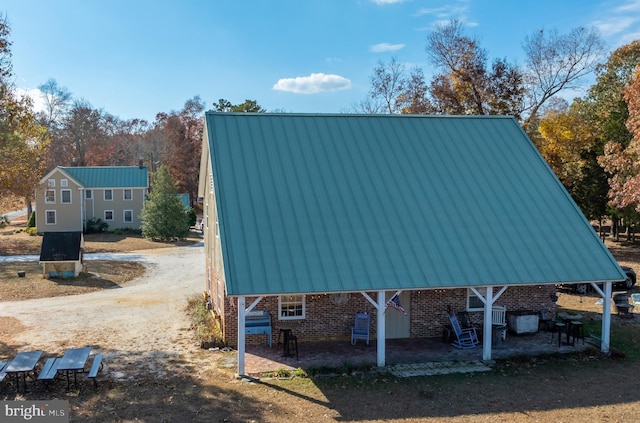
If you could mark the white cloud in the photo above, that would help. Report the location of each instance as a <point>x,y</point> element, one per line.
<point>36,97</point>
<point>312,84</point>
<point>385,47</point>
<point>620,22</point>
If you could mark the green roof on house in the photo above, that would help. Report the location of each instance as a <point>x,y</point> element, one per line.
<point>344,203</point>
<point>109,176</point>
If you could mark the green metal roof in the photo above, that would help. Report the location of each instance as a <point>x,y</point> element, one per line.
<point>330,203</point>
<point>109,176</point>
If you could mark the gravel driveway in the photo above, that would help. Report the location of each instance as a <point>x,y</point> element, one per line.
<point>140,328</point>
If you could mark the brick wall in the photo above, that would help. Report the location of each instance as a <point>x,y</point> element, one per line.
<point>326,321</point>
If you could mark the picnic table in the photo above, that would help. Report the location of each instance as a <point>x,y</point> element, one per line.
<point>73,361</point>
<point>22,363</point>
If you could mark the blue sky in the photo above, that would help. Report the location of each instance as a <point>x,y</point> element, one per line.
<point>136,58</point>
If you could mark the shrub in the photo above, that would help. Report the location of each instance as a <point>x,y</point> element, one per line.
<point>94,225</point>
<point>203,322</point>
<point>31,231</point>
<point>32,220</point>
<point>192,216</point>
<point>4,221</point>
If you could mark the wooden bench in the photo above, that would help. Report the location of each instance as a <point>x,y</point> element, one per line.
<point>257,323</point>
<point>96,366</point>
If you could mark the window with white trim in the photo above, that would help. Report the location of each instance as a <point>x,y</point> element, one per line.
<point>64,183</point>
<point>291,307</point>
<point>51,183</point>
<point>127,195</point>
<point>108,215</point>
<point>65,196</point>
<point>108,195</point>
<point>473,302</point>
<point>127,216</point>
<point>88,194</point>
<point>50,196</point>
<point>50,217</point>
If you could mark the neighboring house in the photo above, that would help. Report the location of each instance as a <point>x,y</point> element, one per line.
<point>69,196</point>
<point>316,217</point>
<point>184,199</point>
<point>61,254</point>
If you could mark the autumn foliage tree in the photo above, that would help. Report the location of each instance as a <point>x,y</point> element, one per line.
<point>623,163</point>
<point>22,141</point>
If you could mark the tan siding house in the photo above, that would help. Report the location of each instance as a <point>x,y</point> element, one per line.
<point>68,197</point>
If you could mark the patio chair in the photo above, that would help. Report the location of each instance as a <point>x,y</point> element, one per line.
<point>499,318</point>
<point>360,328</point>
<point>465,338</point>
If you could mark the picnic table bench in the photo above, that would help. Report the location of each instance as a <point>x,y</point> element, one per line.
<point>258,322</point>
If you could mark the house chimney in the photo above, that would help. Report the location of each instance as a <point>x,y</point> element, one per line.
<point>74,162</point>
<point>140,163</point>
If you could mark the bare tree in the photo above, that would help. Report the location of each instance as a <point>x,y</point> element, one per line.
<point>388,82</point>
<point>57,101</point>
<point>556,62</point>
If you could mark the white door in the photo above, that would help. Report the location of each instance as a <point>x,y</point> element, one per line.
<point>397,325</point>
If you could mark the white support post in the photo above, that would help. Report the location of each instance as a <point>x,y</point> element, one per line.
<point>380,332</point>
<point>241,335</point>
<point>606,318</point>
<point>487,329</point>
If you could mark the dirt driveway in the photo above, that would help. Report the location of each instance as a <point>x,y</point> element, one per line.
<point>139,328</point>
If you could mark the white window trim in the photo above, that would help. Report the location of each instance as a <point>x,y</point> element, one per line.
<point>64,183</point>
<point>104,195</point>
<point>46,215</point>
<point>88,194</point>
<point>473,300</point>
<point>124,216</point>
<point>124,198</point>
<point>46,197</point>
<point>280,303</point>
<point>62,196</point>
<point>51,183</point>
<point>105,215</point>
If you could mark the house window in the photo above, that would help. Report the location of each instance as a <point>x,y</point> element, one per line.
<point>51,183</point>
<point>64,183</point>
<point>108,215</point>
<point>50,216</point>
<point>127,195</point>
<point>108,194</point>
<point>291,307</point>
<point>88,194</point>
<point>65,196</point>
<point>127,216</point>
<point>50,196</point>
<point>473,302</point>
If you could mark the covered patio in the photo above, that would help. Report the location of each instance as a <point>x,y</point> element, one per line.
<point>261,359</point>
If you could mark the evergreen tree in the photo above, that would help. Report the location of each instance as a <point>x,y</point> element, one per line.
<point>163,215</point>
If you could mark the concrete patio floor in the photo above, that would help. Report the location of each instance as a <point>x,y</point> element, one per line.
<point>341,354</point>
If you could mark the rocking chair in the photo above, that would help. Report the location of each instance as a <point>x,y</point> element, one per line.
<point>465,338</point>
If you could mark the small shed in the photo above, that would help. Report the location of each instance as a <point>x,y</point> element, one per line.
<point>61,254</point>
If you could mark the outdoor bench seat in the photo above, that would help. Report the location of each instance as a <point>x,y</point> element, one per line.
<point>258,322</point>
<point>49,369</point>
<point>96,366</point>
